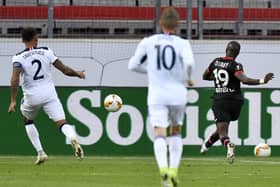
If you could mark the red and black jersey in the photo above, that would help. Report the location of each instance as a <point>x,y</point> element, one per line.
<point>223,70</point>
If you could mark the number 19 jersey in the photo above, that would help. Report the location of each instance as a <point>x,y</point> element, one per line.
<point>168,57</point>
<point>35,64</point>
<point>226,84</point>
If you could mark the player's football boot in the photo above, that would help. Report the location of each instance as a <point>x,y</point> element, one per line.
<point>79,153</point>
<point>41,158</point>
<point>203,149</point>
<point>230,152</point>
<point>165,179</point>
<point>173,174</point>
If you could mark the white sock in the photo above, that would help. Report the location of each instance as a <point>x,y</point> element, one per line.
<point>68,131</point>
<point>175,151</point>
<point>160,151</point>
<point>33,135</point>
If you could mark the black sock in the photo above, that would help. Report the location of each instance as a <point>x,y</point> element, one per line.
<point>225,140</point>
<point>212,140</point>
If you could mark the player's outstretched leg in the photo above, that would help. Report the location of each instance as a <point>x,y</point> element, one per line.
<point>79,153</point>
<point>203,148</point>
<point>41,158</point>
<point>207,144</point>
<point>230,152</point>
<point>70,133</point>
<point>33,136</point>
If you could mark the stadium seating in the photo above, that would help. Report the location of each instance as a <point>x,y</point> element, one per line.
<point>209,3</point>
<point>119,18</point>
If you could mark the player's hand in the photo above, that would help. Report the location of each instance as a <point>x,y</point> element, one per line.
<point>268,77</point>
<point>190,83</point>
<point>81,74</point>
<point>12,107</point>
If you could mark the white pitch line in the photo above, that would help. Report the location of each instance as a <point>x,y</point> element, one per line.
<point>212,159</point>
<point>237,160</point>
<point>260,161</point>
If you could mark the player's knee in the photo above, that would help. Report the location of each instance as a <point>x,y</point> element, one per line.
<point>222,127</point>
<point>175,130</point>
<point>60,123</point>
<point>158,131</point>
<point>28,121</point>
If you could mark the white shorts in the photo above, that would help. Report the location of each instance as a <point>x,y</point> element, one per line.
<point>163,116</point>
<point>53,109</point>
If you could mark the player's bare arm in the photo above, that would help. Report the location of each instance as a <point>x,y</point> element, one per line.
<point>189,73</point>
<point>14,88</point>
<point>246,80</point>
<point>207,75</point>
<point>68,71</point>
<point>190,83</point>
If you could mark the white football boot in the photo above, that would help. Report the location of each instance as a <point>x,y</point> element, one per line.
<point>203,149</point>
<point>79,153</point>
<point>41,158</point>
<point>165,178</point>
<point>230,152</point>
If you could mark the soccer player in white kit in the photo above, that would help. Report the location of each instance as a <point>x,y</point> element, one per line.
<point>169,67</point>
<point>34,65</point>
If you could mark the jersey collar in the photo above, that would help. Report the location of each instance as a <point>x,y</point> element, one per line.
<point>167,33</point>
<point>228,58</point>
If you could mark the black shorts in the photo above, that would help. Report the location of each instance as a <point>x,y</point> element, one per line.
<point>226,110</point>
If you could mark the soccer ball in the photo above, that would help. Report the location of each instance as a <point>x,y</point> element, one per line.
<point>262,150</point>
<point>113,103</point>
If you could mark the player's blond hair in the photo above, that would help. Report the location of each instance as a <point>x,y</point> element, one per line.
<point>169,18</point>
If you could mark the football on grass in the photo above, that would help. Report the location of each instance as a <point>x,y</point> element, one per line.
<point>262,150</point>
<point>113,103</point>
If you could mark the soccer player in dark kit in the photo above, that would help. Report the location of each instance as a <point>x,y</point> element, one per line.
<point>227,99</point>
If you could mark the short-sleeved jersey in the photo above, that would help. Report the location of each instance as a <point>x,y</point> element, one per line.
<point>35,64</point>
<point>223,71</point>
<point>168,57</point>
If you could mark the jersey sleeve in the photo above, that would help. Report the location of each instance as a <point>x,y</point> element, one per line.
<point>136,62</point>
<point>51,56</point>
<point>211,66</point>
<point>187,55</point>
<point>188,59</point>
<point>237,69</point>
<point>16,62</point>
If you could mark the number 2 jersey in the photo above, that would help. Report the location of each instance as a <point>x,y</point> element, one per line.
<point>227,86</point>
<point>168,58</point>
<point>35,64</point>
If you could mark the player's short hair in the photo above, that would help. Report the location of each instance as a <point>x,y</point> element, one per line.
<point>170,18</point>
<point>233,48</point>
<point>28,34</point>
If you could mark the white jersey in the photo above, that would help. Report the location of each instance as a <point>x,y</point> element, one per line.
<point>169,59</point>
<point>35,64</point>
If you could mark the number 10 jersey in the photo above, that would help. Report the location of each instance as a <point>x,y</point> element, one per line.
<point>168,59</point>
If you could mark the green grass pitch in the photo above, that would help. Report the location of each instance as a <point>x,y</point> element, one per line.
<point>66,171</point>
